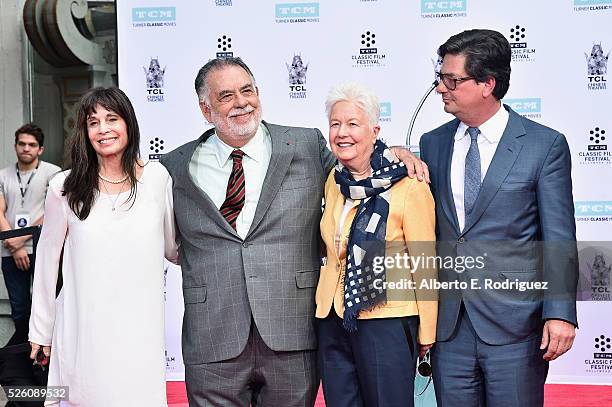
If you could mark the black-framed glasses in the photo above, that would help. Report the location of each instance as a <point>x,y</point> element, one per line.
<point>451,82</point>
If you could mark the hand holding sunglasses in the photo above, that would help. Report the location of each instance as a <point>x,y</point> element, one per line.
<point>424,369</point>
<point>40,355</point>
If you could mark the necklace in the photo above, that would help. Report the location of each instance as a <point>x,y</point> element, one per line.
<point>113,201</point>
<point>361,175</point>
<point>110,181</point>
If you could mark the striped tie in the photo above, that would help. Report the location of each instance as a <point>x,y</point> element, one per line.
<point>234,198</point>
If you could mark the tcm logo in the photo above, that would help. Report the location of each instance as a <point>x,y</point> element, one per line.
<point>525,105</point>
<point>224,47</point>
<point>591,2</point>
<point>597,136</point>
<point>297,10</point>
<point>368,40</point>
<point>385,109</point>
<point>603,347</point>
<point>428,6</point>
<point>153,14</point>
<point>156,148</point>
<point>518,37</point>
<point>593,208</point>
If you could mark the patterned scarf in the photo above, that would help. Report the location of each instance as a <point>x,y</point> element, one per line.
<point>367,234</point>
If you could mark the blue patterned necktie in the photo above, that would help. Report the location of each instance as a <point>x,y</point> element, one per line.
<point>472,172</point>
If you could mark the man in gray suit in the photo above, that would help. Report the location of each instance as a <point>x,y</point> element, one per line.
<point>501,183</point>
<point>247,199</point>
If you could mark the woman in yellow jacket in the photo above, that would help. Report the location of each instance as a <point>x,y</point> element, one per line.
<point>376,311</point>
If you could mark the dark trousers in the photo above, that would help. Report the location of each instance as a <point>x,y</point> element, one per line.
<point>468,372</point>
<point>373,367</point>
<point>18,284</point>
<point>258,377</point>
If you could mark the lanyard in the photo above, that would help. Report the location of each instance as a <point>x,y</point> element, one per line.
<point>23,190</point>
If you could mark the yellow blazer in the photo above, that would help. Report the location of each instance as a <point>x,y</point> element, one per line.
<point>410,229</point>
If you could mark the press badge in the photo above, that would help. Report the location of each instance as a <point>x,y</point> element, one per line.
<point>22,220</point>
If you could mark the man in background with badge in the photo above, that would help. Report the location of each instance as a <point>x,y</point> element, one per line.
<point>23,187</point>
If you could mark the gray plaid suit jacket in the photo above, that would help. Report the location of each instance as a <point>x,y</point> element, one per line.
<point>272,274</point>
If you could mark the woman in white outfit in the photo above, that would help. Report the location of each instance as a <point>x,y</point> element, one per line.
<point>112,216</point>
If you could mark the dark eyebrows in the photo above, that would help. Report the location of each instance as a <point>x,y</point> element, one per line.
<point>23,143</point>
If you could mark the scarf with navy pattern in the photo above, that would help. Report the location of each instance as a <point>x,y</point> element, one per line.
<point>366,239</point>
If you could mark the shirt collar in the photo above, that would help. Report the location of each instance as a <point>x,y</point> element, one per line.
<point>492,130</point>
<point>253,149</point>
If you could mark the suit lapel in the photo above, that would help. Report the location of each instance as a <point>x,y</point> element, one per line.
<point>283,148</point>
<point>444,185</point>
<point>210,209</point>
<point>505,155</point>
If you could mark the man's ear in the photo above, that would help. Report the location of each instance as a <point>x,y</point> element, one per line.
<point>489,86</point>
<point>40,151</point>
<point>205,109</point>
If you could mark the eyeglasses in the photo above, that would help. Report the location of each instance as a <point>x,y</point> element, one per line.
<point>449,81</point>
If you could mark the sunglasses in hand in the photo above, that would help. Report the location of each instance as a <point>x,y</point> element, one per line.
<point>41,360</point>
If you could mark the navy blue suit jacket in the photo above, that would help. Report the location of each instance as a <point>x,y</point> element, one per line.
<point>525,198</point>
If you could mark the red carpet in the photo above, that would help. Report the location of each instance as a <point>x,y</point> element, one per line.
<point>557,395</point>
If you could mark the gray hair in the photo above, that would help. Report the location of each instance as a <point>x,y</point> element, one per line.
<point>358,94</point>
<point>201,80</point>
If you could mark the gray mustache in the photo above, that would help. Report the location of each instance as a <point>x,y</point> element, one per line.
<point>239,111</point>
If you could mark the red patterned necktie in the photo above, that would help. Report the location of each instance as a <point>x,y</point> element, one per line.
<point>234,198</point>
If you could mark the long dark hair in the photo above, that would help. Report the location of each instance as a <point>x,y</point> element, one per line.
<point>81,184</point>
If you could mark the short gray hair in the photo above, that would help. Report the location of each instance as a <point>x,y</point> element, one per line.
<point>358,94</point>
<point>201,84</point>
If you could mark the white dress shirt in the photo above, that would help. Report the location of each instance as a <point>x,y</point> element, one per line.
<point>490,133</point>
<point>211,166</point>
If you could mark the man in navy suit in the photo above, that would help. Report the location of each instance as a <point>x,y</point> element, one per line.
<point>503,191</point>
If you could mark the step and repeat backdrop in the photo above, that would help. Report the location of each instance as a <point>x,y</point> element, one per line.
<point>299,50</point>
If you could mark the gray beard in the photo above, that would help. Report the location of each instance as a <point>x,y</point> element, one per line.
<point>246,129</point>
<point>239,131</point>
